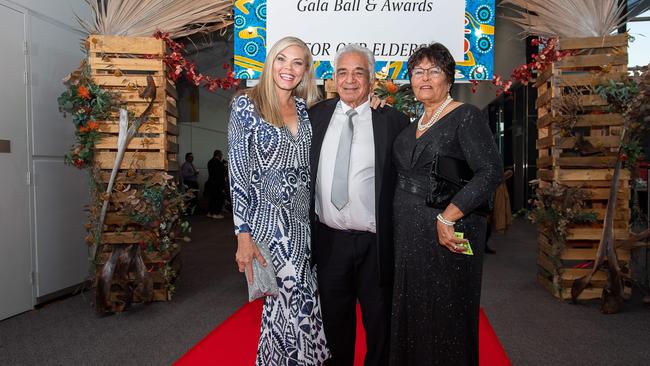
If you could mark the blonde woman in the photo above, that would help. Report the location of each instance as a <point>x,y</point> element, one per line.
<point>269,139</point>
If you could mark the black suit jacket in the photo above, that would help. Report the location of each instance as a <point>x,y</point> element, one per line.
<point>216,174</point>
<point>387,122</point>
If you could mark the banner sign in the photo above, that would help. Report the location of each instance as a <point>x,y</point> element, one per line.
<point>391,29</point>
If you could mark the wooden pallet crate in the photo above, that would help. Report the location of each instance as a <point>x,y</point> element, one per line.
<point>120,229</point>
<point>597,184</point>
<point>567,99</point>
<point>590,293</point>
<point>572,81</point>
<point>556,272</point>
<point>595,59</point>
<point>127,177</point>
<point>153,259</point>
<point>122,65</point>
<point>163,288</point>
<point>583,174</point>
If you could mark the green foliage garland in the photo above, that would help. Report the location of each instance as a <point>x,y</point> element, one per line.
<point>619,95</point>
<point>400,97</point>
<point>86,103</point>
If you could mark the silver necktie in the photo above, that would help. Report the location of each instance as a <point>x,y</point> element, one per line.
<point>342,164</point>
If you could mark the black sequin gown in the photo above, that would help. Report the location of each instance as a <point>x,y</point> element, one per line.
<point>437,293</point>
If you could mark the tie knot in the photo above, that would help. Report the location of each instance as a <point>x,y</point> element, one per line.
<point>351,113</point>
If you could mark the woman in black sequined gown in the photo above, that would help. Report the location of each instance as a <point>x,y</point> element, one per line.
<point>437,288</point>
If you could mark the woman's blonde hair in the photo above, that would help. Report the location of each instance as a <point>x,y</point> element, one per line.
<point>263,94</point>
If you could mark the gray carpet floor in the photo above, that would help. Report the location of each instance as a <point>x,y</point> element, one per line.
<point>534,328</point>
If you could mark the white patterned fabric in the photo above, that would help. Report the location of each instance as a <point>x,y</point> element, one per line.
<point>269,180</point>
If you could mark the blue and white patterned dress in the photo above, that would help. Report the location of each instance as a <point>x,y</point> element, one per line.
<point>269,180</point>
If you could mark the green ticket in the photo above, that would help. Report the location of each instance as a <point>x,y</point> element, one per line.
<point>468,248</point>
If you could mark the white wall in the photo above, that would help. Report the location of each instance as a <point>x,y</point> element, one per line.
<point>210,132</point>
<point>58,192</point>
<point>60,10</point>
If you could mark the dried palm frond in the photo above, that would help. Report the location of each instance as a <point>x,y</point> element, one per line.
<point>570,18</point>
<point>142,18</point>
<point>126,270</point>
<point>125,136</point>
<point>568,107</point>
<point>612,298</point>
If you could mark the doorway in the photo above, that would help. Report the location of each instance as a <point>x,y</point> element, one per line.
<point>16,293</point>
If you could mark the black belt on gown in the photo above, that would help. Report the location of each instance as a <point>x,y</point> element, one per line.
<point>412,186</point>
<point>419,189</point>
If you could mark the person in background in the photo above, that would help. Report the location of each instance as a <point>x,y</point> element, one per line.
<point>215,185</point>
<point>190,175</point>
<point>437,288</point>
<point>501,216</point>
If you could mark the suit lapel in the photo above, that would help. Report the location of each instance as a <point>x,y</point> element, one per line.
<point>320,123</point>
<point>380,135</point>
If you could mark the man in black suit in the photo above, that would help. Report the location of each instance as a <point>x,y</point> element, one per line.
<point>352,197</point>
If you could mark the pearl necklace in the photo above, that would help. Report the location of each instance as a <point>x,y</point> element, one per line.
<point>436,115</point>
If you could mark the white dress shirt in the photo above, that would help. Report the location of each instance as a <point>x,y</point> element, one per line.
<point>359,212</point>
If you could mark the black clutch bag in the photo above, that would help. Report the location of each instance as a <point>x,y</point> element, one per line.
<point>447,177</point>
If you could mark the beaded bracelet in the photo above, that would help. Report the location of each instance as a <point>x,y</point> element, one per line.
<point>445,221</point>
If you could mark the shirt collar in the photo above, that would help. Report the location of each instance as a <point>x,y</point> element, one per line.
<point>363,108</point>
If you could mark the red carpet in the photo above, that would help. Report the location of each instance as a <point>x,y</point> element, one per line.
<point>234,342</point>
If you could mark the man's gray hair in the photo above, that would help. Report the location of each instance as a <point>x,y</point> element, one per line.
<point>357,48</point>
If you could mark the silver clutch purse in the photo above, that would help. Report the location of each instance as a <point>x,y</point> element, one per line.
<point>264,282</point>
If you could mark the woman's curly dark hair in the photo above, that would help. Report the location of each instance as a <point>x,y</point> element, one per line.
<point>438,55</point>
